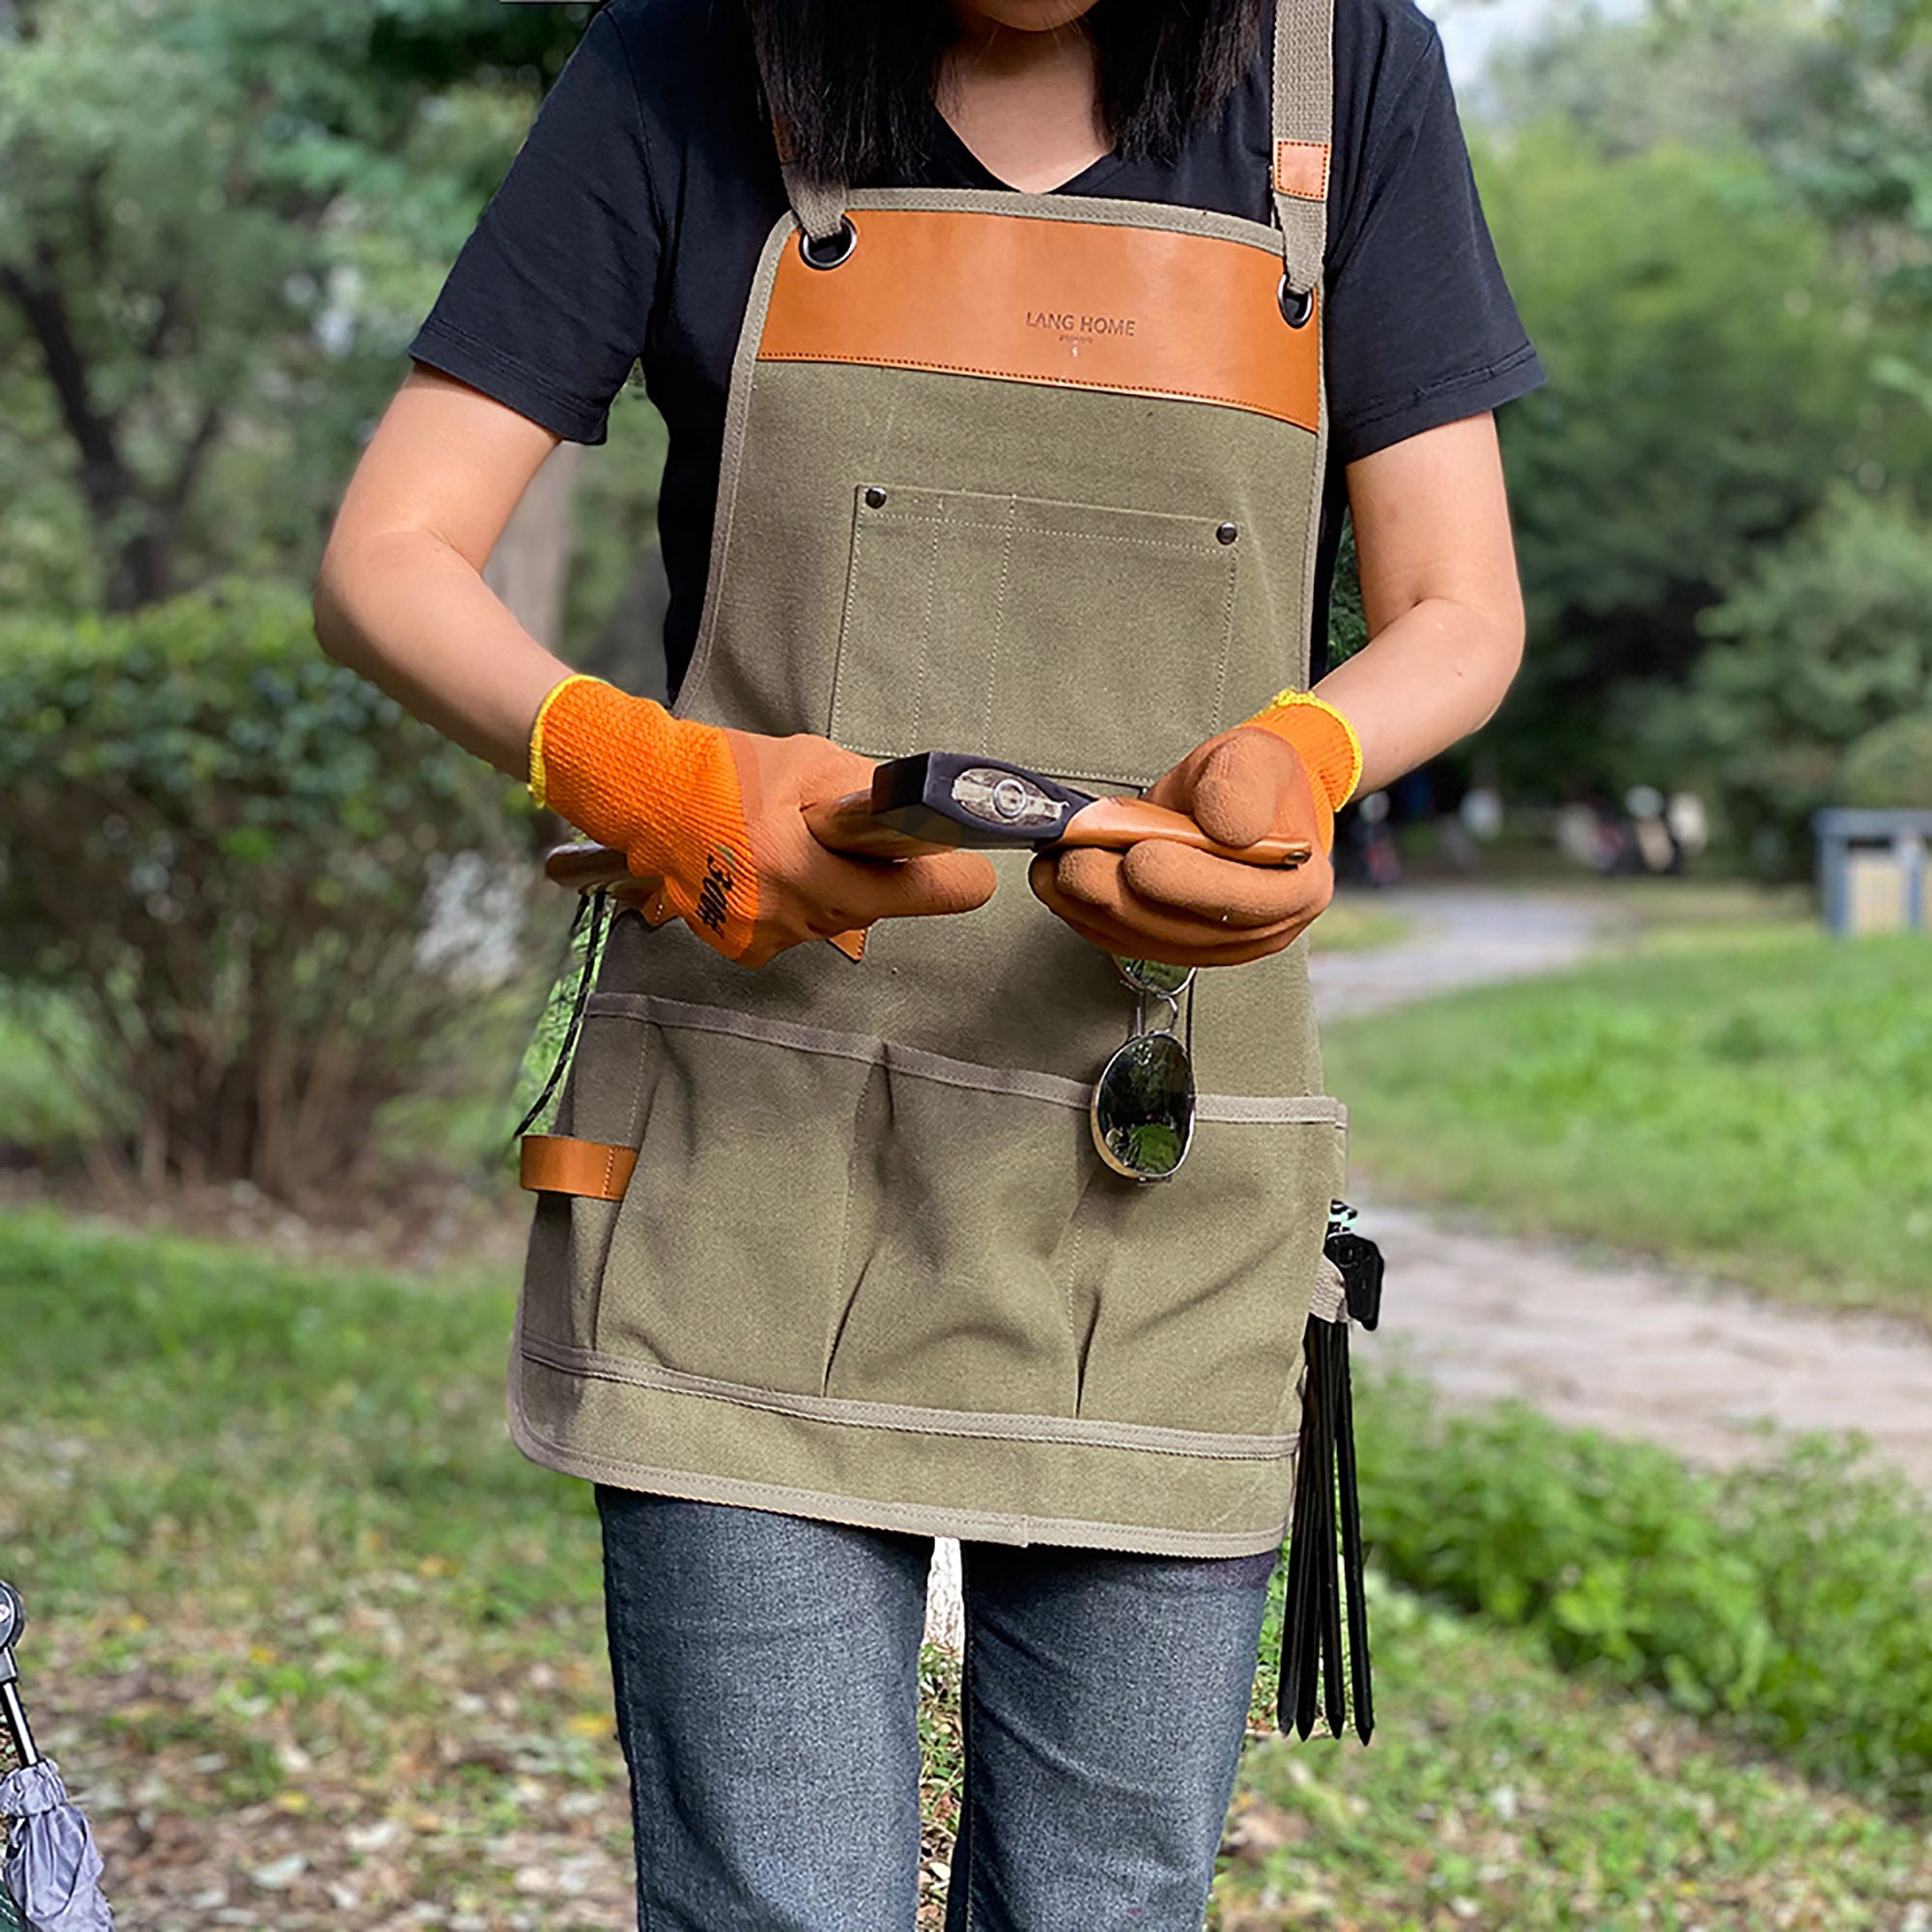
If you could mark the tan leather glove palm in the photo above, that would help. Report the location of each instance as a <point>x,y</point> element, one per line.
<point>1284,771</point>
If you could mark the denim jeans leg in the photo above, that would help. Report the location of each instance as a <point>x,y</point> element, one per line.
<point>766,1672</point>
<point>1107,1697</point>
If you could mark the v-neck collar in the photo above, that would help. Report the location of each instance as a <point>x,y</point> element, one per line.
<point>978,175</point>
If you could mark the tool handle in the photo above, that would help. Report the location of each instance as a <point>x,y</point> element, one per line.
<point>1112,824</point>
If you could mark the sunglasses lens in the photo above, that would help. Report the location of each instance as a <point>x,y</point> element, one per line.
<point>1154,976</point>
<point>1143,1107</point>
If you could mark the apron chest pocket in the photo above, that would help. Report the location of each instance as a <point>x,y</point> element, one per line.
<point>1087,641</point>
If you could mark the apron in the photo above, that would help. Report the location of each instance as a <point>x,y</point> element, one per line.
<point>1037,477</point>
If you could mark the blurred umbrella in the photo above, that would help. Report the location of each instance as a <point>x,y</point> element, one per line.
<point>50,1876</point>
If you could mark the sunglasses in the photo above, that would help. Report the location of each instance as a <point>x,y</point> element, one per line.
<point>1142,1111</point>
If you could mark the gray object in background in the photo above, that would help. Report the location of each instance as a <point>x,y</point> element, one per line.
<point>51,1874</point>
<point>1871,869</point>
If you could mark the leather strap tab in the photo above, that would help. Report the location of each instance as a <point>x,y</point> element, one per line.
<point>1301,169</point>
<point>597,1171</point>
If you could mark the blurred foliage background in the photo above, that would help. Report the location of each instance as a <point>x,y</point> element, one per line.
<point>220,221</point>
<point>328,1650</point>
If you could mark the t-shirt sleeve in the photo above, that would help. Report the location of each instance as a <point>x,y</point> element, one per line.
<point>1421,327</point>
<point>546,306</point>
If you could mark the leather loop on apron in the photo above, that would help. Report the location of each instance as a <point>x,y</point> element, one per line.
<point>868,1266</point>
<point>554,1164</point>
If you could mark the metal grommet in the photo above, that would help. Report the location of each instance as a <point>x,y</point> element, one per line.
<point>1296,305</point>
<point>1226,533</point>
<point>875,498</point>
<point>827,251</point>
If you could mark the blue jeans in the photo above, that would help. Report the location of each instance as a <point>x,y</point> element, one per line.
<point>766,1671</point>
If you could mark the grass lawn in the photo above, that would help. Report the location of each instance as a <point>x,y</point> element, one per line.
<point>1734,1096</point>
<point>1499,1795</point>
<point>319,1649</point>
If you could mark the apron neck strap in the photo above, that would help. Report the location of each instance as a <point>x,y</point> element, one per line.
<point>819,205</point>
<point>1305,98</point>
<point>1304,93</point>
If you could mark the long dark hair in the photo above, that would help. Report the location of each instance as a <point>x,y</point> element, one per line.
<point>851,81</point>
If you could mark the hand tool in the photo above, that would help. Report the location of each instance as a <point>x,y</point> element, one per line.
<point>937,801</point>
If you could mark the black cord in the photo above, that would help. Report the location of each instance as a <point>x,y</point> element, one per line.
<point>596,906</point>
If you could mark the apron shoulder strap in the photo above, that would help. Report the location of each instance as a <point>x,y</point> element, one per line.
<point>819,205</point>
<point>1304,108</point>
<point>1303,115</point>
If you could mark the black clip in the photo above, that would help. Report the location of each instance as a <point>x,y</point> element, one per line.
<point>13,1725</point>
<point>1358,1262</point>
<point>1323,1670</point>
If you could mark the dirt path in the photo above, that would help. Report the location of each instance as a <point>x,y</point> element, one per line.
<point>1616,1344</point>
<point>1637,1350</point>
<point>1622,1345</point>
<point>1459,936</point>
<point>1628,1347</point>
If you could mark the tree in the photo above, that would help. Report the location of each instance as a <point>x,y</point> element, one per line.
<point>219,221</point>
<point>1827,638</point>
<point>1833,96</point>
<point>1708,379</point>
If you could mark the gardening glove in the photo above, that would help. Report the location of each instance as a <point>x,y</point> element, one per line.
<point>1285,771</point>
<point>716,815</point>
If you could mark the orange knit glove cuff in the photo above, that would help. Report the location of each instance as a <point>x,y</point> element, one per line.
<point>1326,744</point>
<point>1325,740</point>
<point>662,790</point>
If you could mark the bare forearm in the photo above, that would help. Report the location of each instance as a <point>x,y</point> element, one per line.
<point>1431,678</point>
<point>1440,591</point>
<point>412,616</point>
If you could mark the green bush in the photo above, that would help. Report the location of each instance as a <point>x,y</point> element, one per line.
<point>1787,1599</point>
<point>1890,769</point>
<point>228,853</point>
<point>1827,637</point>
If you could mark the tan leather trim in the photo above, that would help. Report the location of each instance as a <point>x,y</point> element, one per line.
<point>1083,304</point>
<point>550,1164</point>
<point>1301,169</point>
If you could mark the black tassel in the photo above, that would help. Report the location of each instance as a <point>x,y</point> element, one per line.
<point>1323,1597</point>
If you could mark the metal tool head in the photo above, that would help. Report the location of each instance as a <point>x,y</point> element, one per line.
<point>13,1621</point>
<point>958,798</point>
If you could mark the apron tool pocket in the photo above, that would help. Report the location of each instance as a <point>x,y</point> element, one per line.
<point>725,1258</point>
<point>1242,1225</point>
<point>964,1207</point>
<point>1087,641</point>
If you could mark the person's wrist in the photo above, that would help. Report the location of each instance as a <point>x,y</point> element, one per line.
<point>539,749</point>
<point>662,790</point>
<point>1325,742</point>
<point>1322,737</point>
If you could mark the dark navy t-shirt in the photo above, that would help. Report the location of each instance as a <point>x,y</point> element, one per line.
<point>628,230</point>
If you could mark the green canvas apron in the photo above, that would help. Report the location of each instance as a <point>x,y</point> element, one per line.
<point>1034,476</point>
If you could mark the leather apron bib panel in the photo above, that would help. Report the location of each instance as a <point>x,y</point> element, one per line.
<point>1037,477</point>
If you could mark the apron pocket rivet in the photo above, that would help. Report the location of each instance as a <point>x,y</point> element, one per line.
<point>875,498</point>
<point>1226,533</point>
